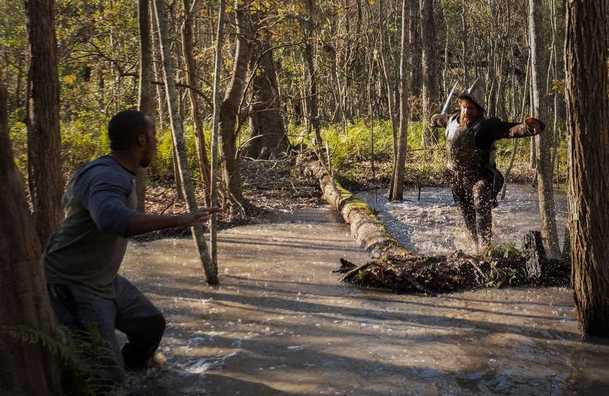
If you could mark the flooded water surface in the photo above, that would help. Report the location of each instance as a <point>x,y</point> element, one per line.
<point>433,223</point>
<point>282,324</point>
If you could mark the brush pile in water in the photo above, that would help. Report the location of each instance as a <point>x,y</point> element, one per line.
<point>503,266</point>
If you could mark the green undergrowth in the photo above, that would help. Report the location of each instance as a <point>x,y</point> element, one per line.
<point>360,152</point>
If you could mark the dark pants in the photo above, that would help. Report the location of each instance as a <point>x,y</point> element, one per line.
<point>476,195</point>
<point>85,313</point>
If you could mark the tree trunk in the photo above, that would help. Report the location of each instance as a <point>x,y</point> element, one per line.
<point>178,140</point>
<point>192,81</point>
<point>44,140</point>
<point>213,186</point>
<point>28,368</point>
<point>146,89</point>
<point>430,92</point>
<point>415,50</point>
<point>230,108</point>
<point>311,79</point>
<point>588,125</point>
<point>400,156</point>
<point>269,137</point>
<point>543,145</point>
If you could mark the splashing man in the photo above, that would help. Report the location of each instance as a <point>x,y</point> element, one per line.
<point>470,144</point>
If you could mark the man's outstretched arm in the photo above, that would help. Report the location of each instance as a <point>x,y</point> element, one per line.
<point>141,223</point>
<point>107,205</point>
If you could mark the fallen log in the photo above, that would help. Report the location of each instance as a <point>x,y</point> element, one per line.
<point>366,228</point>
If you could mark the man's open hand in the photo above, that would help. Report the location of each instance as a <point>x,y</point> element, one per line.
<point>201,216</point>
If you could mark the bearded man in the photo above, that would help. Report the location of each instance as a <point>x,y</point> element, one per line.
<point>474,178</point>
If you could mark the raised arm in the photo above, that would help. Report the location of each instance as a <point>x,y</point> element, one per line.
<point>495,129</point>
<point>530,127</point>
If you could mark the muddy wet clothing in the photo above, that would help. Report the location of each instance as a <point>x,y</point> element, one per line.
<point>82,259</point>
<point>474,178</point>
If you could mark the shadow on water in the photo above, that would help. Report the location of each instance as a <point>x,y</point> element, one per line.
<point>280,324</point>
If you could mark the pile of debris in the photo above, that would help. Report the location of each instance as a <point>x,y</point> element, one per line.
<point>503,266</point>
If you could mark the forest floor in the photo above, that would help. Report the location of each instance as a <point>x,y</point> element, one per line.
<point>281,323</point>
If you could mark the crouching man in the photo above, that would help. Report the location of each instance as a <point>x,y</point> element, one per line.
<point>83,256</point>
<point>470,144</point>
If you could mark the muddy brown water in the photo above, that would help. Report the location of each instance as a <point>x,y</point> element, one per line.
<point>281,324</point>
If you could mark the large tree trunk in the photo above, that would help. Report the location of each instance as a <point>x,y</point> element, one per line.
<point>217,100</point>
<point>229,111</point>
<point>44,140</point>
<point>269,137</point>
<point>192,81</point>
<point>588,124</point>
<point>146,89</point>
<point>178,140</point>
<point>545,190</point>
<point>430,92</point>
<point>397,190</point>
<point>28,368</point>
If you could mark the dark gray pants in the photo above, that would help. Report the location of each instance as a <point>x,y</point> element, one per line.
<point>84,312</point>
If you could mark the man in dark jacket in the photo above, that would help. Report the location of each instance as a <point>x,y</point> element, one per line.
<point>83,256</point>
<point>470,144</point>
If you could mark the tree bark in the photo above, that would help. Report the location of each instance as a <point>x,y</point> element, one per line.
<point>414,49</point>
<point>543,145</point>
<point>178,140</point>
<point>230,108</point>
<point>192,81</point>
<point>28,368</point>
<point>44,140</point>
<point>310,74</point>
<point>588,125</point>
<point>269,137</point>
<point>430,92</point>
<point>400,157</point>
<point>146,89</point>
<point>213,185</point>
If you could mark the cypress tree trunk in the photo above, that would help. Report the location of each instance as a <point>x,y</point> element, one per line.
<point>192,80</point>
<point>229,110</point>
<point>217,100</point>
<point>178,140</point>
<point>397,191</point>
<point>543,145</point>
<point>269,137</point>
<point>44,140</point>
<point>588,124</point>
<point>28,369</point>
<point>146,90</point>
<point>430,92</point>
<point>311,79</point>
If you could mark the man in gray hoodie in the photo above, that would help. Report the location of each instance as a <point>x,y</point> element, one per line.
<point>83,256</point>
